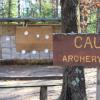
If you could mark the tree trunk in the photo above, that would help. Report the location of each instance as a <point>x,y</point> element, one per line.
<point>9,9</point>
<point>73,81</point>
<point>40,9</point>
<point>1,9</point>
<point>18,8</point>
<point>57,8</point>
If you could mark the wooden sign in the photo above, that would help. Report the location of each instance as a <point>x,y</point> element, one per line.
<point>34,38</point>
<point>76,50</point>
<point>7,29</point>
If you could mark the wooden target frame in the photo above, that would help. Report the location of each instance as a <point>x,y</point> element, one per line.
<point>34,38</point>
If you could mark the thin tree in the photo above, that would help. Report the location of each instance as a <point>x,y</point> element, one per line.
<point>9,8</point>
<point>40,8</point>
<point>19,8</point>
<point>57,3</point>
<point>73,78</point>
<point>1,9</point>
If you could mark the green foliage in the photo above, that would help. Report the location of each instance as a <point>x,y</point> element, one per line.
<point>92,23</point>
<point>46,10</point>
<point>9,8</point>
<point>14,8</point>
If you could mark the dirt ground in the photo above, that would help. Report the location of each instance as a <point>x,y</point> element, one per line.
<point>91,80</point>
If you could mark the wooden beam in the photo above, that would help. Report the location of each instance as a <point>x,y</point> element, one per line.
<point>32,78</point>
<point>27,62</point>
<point>30,19</point>
<point>28,86</point>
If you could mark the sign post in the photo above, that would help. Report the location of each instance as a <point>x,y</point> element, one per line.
<point>98,69</point>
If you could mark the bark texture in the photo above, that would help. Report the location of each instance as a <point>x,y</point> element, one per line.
<point>74,80</point>
<point>69,15</point>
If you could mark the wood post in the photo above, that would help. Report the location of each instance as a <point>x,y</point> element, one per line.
<point>0,49</point>
<point>43,93</point>
<point>98,84</point>
<point>98,69</point>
